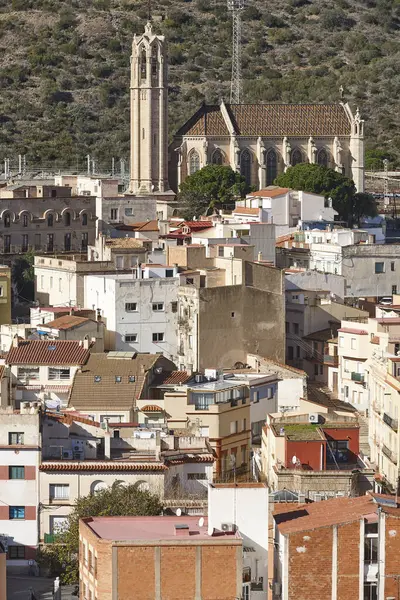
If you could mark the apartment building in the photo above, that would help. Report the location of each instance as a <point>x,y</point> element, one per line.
<point>315,454</point>
<point>140,310</point>
<point>20,444</point>
<point>43,371</point>
<point>161,557</point>
<point>340,548</point>
<point>72,327</point>
<point>45,219</point>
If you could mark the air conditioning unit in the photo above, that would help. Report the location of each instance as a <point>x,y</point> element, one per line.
<point>313,418</point>
<point>67,454</point>
<point>228,527</point>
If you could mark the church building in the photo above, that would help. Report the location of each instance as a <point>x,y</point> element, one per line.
<point>258,140</point>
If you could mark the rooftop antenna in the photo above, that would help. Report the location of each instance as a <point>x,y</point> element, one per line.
<point>236,6</point>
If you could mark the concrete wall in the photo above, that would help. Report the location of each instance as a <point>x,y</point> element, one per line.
<point>359,269</point>
<point>312,280</point>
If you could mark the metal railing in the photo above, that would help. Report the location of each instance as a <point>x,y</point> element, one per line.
<point>359,377</point>
<point>389,454</point>
<point>333,361</point>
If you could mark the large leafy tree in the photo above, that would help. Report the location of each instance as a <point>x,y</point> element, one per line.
<point>212,187</point>
<point>350,205</point>
<point>118,500</point>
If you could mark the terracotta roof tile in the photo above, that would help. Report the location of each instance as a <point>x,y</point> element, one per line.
<point>243,210</point>
<point>269,192</point>
<point>99,465</point>
<point>54,352</point>
<point>175,377</point>
<point>67,322</point>
<point>354,331</point>
<point>208,120</point>
<point>125,242</point>
<point>151,408</point>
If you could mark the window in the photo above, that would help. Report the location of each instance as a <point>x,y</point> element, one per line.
<point>272,167</point>
<point>38,241</point>
<point>158,306</point>
<point>379,267</point>
<point>290,353</point>
<point>7,243</point>
<point>59,373</point>
<point>16,438</point>
<point>201,476</point>
<point>371,549</point>
<point>315,369</point>
<point>84,240</point>
<point>202,400</point>
<point>353,343</point>
<point>234,426</point>
<point>297,351</point>
<point>60,284</point>
<point>244,424</point>
<point>131,337</point>
<point>25,241</point>
<point>84,220</point>
<point>7,220</point>
<point>118,379</point>
<point>116,433</point>
<point>270,393</point>
<point>131,378</point>
<point>346,391</point>
<point>190,342</point>
<point>322,158</point>
<point>26,373</point>
<point>1,291</point>
<point>297,157</point>
<point>194,162</point>
<point>296,328</point>
<point>130,306</point>
<point>341,341</point>
<point>143,65</point>
<point>59,491</point>
<point>245,166</point>
<point>51,283</point>
<point>50,220</point>
<point>67,242</point>
<point>217,158</point>
<point>174,307</point>
<point>97,378</point>
<point>50,242</point>
<point>169,273</point>
<point>16,472</point>
<point>128,212</point>
<point>370,591</point>
<point>17,512</point>
<point>16,552</point>
<point>256,396</point>
<point>392,266</point>
<point>41,282</point>
<point>158,337</point>
<point>114,214</point>
<point>394,290</point>
<point>24,220</point>
<point>67,219</point>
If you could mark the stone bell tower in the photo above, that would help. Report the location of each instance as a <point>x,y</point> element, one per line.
<point>149,115</point>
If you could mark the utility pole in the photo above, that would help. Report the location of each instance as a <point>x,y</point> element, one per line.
<point>236,6</point>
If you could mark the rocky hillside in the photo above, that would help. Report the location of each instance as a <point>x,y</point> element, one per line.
<point>64,73</point>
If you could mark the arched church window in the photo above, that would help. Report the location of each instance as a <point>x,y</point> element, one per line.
<point>322,158</point>
<point>245,166</point>
<point>297,157</point>
<point>217,158</point>
<point>143,64</point>
<point>272,167</point>
<point>154,62</point>
<point>194,162</point>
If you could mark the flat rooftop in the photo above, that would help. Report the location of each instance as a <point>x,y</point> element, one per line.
<point>153,528</point>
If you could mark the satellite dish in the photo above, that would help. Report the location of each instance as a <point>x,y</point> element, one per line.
<point>178,512</point>
<point>201,522</point>
<point>294,460</point>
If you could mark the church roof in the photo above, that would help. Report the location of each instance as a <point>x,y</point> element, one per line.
<point>270,120</point>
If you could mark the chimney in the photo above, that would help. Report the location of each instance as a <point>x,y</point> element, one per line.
<point>71,311</point>
<point>182,530</point>
<point>142,369</point>
<point>107,445</point>
<point>189,369</point>
<point>86,343</point>
<point>259,256</point>
<point>15,341</point>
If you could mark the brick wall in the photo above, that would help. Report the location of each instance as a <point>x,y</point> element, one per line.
<point>310,564</point>
<point>218,569</point>
<point>173,584</point>
<point>392,553</point>
<point>348,561</point>
<point>136,573</point>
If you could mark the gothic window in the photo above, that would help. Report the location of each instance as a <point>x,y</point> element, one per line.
<point>272,167</point>
<point>194,162</point>
<point>50,220</point>
<point>245,166</point>
<point>84,220</point>
<point>217,158</point>
<point>297,157</point>
<point>7,220</point>
<point>154,62</point>
<point>322,158</point>
<point>143,64</point>
<point>25,220</point>
<point>67,219</point>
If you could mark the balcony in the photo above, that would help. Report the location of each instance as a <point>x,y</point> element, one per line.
<point>377,408</point>
<point>393,423</point>
<point>389,454</point>
<point>358,377</point>
<point>331,361</point>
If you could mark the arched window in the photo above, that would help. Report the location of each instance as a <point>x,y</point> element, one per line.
<point>143,64</point>
<point>84,219</point>
<point>217,158</point>
<point>50,220</point>
<point>97,486</point>
<point>154,62</point>
<point>67,219</point>
<point>272,167</point>
<point>245,166</point>
<point>7,220</point>
<point>194,162</point>
<point>24,220</point>
<point>297,157</point>
<point>322,158</point>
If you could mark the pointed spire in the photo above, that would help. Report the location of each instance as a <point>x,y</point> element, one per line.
<point>148,29</point>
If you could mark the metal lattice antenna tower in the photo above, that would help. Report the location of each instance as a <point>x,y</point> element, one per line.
<point>236,6</point>
<point>386,182</point>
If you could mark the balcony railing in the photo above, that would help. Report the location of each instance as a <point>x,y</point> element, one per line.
<point>359,377</point>
<point>393,423</point>
<point>389,454</point>
<point>332,361</point>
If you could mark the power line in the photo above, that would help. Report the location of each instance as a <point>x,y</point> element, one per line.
<point>236,6</point>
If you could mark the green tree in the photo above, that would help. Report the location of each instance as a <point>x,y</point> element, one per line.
<point>117,500</point>
<point>212,187</point>
<point>327,182</point>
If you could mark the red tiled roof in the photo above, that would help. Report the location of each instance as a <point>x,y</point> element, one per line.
<point>140,226</point>
<point>207,120</point>
<point>54,352</point>
<point>151,408</point>
<point>176,377</point>
<point>189,458</point>
<point>99,465</point>
<point>69,418</point>
<point>270,193</point>
<point>67,322</point>
<point>354,331</point>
